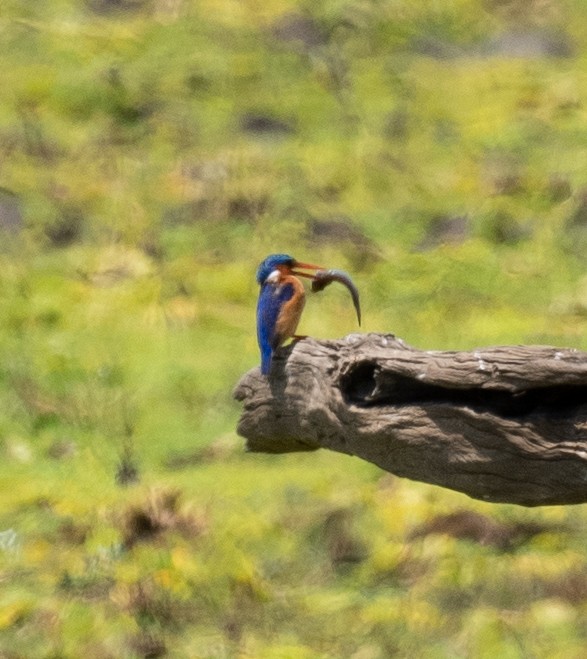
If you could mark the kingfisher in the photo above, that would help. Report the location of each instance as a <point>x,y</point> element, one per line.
<point>282,298</point>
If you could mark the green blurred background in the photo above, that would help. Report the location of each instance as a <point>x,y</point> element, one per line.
<point>152,152</point>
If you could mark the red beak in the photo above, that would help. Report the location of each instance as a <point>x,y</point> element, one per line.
<point>306,266</point>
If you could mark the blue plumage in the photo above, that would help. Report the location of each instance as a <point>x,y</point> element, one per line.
<point>271,300</point>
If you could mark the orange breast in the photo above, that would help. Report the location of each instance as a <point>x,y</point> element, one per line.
<point>290,313</point>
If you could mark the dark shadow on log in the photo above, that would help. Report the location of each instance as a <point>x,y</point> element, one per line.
<point>363,385</point>
<point>502,424</point>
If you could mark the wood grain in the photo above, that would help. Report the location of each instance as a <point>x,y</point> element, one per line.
<point>502,424</point>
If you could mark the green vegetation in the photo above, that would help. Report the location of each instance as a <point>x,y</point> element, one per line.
<point>152,152</point>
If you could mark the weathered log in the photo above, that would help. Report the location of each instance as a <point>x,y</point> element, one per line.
<point>504,424</point>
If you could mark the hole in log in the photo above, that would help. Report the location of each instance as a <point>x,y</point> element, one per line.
<point>366,384</point>
<point>358,385</point>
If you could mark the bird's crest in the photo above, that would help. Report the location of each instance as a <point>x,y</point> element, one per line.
<point>270,263</point>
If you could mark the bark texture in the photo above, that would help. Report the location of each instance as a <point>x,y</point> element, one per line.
<point>504,424</point>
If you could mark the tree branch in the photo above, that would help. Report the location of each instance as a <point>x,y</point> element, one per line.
<point>505,424</point>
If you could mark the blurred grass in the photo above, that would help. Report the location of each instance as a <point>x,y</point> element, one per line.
<point>152,153</point>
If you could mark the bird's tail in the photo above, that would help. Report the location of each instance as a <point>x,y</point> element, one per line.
<point>266,354</point>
